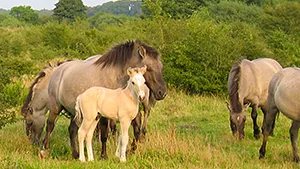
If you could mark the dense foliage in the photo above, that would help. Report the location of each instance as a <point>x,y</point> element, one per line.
<point>197,50</point>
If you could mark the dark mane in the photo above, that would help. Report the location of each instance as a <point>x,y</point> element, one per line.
<point>122,53</point>
<point>234,86</point>
<point>29,95</point>
<point>30,92</point>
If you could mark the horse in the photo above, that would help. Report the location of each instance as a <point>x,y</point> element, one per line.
<point>119,104</point>
<point>109,70</point>
<point>283,97</point>
<point>35,107</point>
<point>248,83</point>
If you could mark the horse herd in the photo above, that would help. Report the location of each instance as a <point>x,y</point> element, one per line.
<point>103,89</point>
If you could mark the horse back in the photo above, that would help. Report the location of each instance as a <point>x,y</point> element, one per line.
<point>72,79</point>
<point>255,79</point>
<point>284,92</point>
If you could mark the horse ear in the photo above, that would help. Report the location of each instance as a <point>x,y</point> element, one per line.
<point>144,69</point>
<point>129,71</point>
<point>228,106</point>
<point>247,105</point>
<point>142,51</point>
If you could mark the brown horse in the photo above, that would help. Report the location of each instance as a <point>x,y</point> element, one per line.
<point>283,96</point>
<point>248,83</point>
<point>35,107</point>
<point>73,78</point>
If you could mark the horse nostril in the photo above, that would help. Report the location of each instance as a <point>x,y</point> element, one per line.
<point>162,93</point>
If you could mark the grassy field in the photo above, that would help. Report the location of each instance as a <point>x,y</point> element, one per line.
<point>183,132</point>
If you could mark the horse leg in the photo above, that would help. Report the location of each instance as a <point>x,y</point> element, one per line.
<point>73,131</point>
<point>38,127</point>
<point>81,136</point>
<point>136,124</point>
<point>294,136</point>
<point>125,124</point>
<point>273,124</point>
<point>49,128</point>
<point>269,117</point>
<point>104,135</point>
<point>89,139</point>
<point>145,121</point>
<point>256,130</point>
<point>113,127</point>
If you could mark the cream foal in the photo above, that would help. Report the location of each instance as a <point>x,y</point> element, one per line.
<point>120,104</point>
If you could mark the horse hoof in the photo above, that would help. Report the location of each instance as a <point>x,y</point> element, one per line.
<point>123,160</point>
<point>104,156</point>
<point>43,154</point>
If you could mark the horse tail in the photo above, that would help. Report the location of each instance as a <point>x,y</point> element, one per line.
<point>78,113</point>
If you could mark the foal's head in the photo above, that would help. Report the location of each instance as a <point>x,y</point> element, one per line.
<point>137,81</point>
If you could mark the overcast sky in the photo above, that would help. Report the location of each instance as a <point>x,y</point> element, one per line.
<point>44,4</point>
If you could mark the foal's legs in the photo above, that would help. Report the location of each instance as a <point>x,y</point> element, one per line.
<point>294,136</point>
<point>123,139</point>
<point>89,139</point>
<point>254,118</point>
<point>81,136</point>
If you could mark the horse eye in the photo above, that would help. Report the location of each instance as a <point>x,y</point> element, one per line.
<point>132,83</point>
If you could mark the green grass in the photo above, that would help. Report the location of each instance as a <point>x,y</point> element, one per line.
<point>183,132</point>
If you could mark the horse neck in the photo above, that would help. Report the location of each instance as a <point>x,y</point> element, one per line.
<point>130,92</point>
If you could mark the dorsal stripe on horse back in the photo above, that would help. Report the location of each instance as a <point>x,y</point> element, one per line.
<point>122,53</point>
<point>234,88</point>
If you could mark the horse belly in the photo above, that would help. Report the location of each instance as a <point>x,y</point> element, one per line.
<point>287,104</point>
<point>109,108</point>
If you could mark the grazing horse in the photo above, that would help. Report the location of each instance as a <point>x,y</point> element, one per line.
<point>283,96</point>
<point>248,83</point>
<point>35,107</point>
<point>109,70</point>
<point>119,104</point>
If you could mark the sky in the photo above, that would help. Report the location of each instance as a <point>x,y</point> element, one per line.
<point>44,4</point>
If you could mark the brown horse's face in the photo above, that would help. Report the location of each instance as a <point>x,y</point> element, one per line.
<point>237,121</point>
<point>154,78</point>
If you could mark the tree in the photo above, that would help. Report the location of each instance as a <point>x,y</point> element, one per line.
<point>172,8</point>
<point>24,14</point>
<point>70,10</point>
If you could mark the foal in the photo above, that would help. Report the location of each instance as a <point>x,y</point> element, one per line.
<point>120,104</point>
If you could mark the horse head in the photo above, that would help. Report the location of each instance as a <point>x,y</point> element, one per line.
<point>137,80</point>
<point>154,77</point>
<point>237,119</point>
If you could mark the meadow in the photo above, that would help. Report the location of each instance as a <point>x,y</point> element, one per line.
<point>184,131</point>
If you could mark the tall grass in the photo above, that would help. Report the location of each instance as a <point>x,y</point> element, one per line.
<point>184,131</point>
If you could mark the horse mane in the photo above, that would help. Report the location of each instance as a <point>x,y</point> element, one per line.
<point>234,86</point>
<point>40,77</point>
<point>122,53</point>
